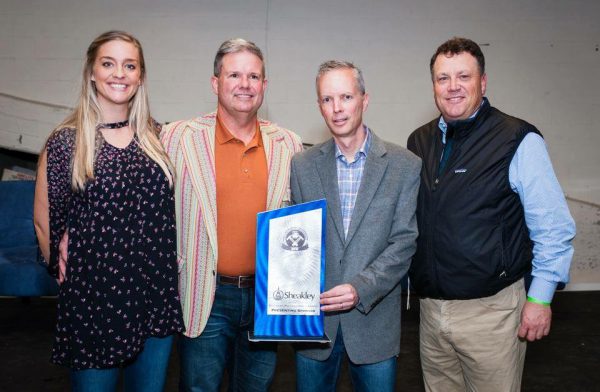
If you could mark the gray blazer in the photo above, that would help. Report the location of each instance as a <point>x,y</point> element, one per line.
<point>377,251</point>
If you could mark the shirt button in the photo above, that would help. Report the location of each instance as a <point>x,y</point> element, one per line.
<point>245,170</point>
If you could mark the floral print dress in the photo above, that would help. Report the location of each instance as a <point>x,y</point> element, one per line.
<point>121,285</point>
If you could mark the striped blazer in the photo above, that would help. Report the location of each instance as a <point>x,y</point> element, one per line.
<point>191,147</point>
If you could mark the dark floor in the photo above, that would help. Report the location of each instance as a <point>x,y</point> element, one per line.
<point>567,360</point>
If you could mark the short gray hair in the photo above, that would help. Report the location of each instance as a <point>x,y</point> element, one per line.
<point>332,65</point>
<point>236,45</point>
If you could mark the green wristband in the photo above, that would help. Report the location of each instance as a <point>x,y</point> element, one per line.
<point>537,301</point>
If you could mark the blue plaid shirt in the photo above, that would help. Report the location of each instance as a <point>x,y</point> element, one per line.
<point>349,175</point>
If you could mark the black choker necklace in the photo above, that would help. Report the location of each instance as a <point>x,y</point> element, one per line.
<point>115,125</point>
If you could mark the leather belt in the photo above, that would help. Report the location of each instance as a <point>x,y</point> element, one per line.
<point>242,281</point>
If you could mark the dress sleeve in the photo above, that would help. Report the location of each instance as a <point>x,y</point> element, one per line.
<point>551,227</point>
<point>59,153</point>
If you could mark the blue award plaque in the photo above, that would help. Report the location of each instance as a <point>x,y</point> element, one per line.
<point>290,273</point>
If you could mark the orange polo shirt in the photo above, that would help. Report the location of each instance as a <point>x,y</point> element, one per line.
<point>242,180</point>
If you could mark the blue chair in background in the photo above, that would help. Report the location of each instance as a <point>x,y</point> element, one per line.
<point>22,270</point>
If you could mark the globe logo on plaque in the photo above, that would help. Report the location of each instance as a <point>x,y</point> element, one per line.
<point>278,294</point>
<point>295,239</point>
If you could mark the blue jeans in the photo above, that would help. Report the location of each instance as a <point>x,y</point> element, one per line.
<point>145,373</point>
<point>224,345</point>
<point>322,376</point>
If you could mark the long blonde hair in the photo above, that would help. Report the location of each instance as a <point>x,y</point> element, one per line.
<point>87,115</point>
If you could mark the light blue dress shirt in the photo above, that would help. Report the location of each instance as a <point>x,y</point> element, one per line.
<point>547,216</point>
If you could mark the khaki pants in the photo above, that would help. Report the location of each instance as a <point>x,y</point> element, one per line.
<point>472,345</point>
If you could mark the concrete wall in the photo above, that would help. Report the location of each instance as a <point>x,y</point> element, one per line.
<point>543,62</point>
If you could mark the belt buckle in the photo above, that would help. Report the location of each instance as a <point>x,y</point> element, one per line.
<point>239,281</point>
<point>245,281</point>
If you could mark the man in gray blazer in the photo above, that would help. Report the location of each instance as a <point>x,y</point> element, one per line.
<point>371,190</point>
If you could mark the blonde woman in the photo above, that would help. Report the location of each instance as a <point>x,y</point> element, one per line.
<point>104,188</point>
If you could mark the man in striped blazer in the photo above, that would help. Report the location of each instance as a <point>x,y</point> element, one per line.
<point>230,165</point>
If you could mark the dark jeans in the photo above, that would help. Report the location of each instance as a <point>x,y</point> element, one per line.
<point>322,376</point>
<point>146,373</point>
<point>224,344</point>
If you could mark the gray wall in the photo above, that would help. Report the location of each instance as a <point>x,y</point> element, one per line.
<point>543,63</point>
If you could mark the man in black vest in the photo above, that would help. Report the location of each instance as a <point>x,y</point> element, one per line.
<point>490,210</point>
